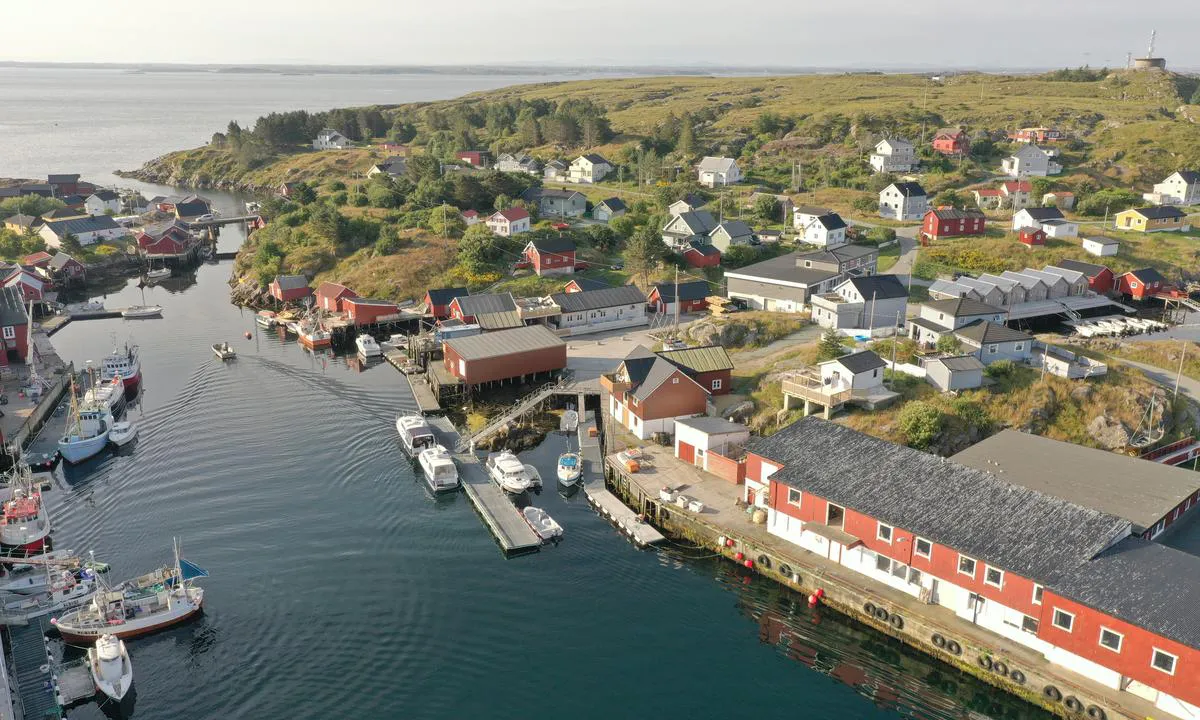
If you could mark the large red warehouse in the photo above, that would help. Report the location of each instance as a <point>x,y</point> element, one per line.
<point>505,354</point>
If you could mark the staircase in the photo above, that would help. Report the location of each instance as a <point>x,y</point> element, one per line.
<point>1071,313</point>
<point>516,411</point>
<point>34,687</point>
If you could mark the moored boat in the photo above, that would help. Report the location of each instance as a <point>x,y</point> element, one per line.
<point>570,467</point>
<point>415,433</point>
<point>224,351</point>
<point>367,346</point>
<point>507,471</point>
<point>25,524</point>
<point>107,393</point>
<point>313,336</point>
<point>266,318</point>
<point>161,273</point>
<point>542,524</point>
<point>124,362</point>
<point>112,671</point>
<point>142,312</point>
<point>86,433</point>
<point>123,433</point>
<point>441,474</point>
<point>63,591</point>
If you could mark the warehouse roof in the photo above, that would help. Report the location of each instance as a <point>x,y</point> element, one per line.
<point>709,358</point>
<point>596,299</point>
<point>524,339</point>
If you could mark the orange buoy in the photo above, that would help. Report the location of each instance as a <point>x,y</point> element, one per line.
<point>248,335</point>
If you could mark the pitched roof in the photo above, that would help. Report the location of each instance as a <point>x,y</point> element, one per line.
<point>559,244</point>
<point>593,158</point>
<point>1147,275</point>
<point>909,189</point>
<point>972,511</point>
<point>332,289</point>
<point>712,425</point>
<point>734,228</point>
<point>958,307</point>
<point>499,320</point>
<point>785,268</point>
<point>596,299</point>
<point>985,331</point>
<point>986,192</point>
<point>690,290</point>
<point>950,213</point>
<point>584,283</point>
<point>62,178</point>
<point>637,364</point>
<point>61,260</point>
<point>703,248</point>
<point>879,287</point>
<point>92,223</point>
<point>443,296</point>
<point>105,195</point>
<point>22,220</point>
<point>489,303</point>
<point>958,363</point>
<point>511,214</point>
<point>1189,176</point>
<point>831,221</point>
<point>657,373</point>
<point>1043,214</point>
<point>504,342</point>
<point>699,222</point>
<point>716,164</point>
<point>859,362</point>
<point>537,193</point>
<point>1159,212</point>
<point>1089,269</point>
<point>613,204</point>
<point>951,131</point>
<point>291,282</point>
<point>811,210</point>
<point>1072,276</point>
<point>63,212</point>
<point>12,307</point>
<point>1013,186</point>
<point>707,358</point>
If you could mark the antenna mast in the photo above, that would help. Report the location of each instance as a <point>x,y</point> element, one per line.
<point>1150,51</point>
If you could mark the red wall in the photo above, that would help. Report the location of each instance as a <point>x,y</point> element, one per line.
<point>506,366</point>
<point>695,259</point>
<point>1124,285</point>
<point>365,314</point>
<point>551,261</point>
<point>1102,283</point>
<point>726,468</point>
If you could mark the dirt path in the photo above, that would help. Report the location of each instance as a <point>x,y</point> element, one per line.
<point>756,358</point>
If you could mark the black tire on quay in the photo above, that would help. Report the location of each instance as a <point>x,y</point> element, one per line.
<point>985,662</point>
<point>1000,668</point>
<point>1017,676</point>
<point>786,571</point>
<point>1052,693</point>
<point>897,622</point>
<point>953,647</point>
<point>881,614</point>
<point>869,608</point>
<point>939,641</point>
<point>1096,713</point>
<point>764,561</point>
<point>1072,703</point>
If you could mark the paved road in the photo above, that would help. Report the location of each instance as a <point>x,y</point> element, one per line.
<point>1188,387</point>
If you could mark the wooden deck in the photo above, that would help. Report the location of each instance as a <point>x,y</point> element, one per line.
<point>426,401</point>
<point>626,520</point>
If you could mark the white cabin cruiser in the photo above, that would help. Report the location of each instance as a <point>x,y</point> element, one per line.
<point>111,668</point>
<point>123,433</point>
<point>367,346</point>
<point>441,474</point>
<point>507,470</point>
<point>570,467</point>
<point>142,312</point>
<point>415,433</point>
<point>86,433</point>
<point>110,393</point>
<point>542,523</point>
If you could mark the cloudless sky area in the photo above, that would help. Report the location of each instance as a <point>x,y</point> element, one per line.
<point>783,33</point>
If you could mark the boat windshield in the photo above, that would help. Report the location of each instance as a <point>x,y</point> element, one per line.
<point>568,461</point>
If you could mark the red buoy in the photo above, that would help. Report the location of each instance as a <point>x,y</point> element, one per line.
<point>739,556</point>
<point>813,600</point>
<point>820,593</point>
<point>729,542</point>
<point>248,335</point>
<point>749,563</point>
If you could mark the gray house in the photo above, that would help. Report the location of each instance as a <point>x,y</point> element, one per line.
<point>685,226</point>
<point>943,317</point>
<point>959,372</point>
<point>608,209</point>
<point>730,233</point>
<point>554,203</point>
<point>788,282</point>
<point>517,162</point>
<point>991,341</point>
<point>871,303</point>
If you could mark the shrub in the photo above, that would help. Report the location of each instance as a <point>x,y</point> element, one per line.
<point>337,186</point>
<point>948,344</point>
<point>1001,369</point>
<point>972,413</point>
<point>359,200</point>
<point>866,204</point>
<point>920,424</point>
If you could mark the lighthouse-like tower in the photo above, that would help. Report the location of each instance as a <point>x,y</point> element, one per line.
<point>1150,62</point>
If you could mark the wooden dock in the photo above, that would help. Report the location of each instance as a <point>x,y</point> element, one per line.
<point>427,401</point>
<point>610,506</point>
<point>501,517</point>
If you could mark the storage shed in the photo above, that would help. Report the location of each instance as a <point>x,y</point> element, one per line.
<point>505,355</point>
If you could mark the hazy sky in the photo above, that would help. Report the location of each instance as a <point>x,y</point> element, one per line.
<point>796,33</point>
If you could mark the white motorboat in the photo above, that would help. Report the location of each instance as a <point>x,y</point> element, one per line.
<point>157,274</point>
<point>224,351</point>
<point>86,433</point>
<point>367,346</point>
<point>110,393</point>
<point>441,474</point>
<point>66,591</point>
<point>122,433</point>
<point>570,467</point>
<point>535,477</point>
<point>569,422</point>
<point>415,433</point>
<point>542,523</point>
<point>507,470</point>
<point>111,669</point>
<point>266,318</point>
<point>142,312</point>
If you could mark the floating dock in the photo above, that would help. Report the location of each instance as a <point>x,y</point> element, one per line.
<point>502,518</point>
<point>31,668</point>
<point>426,400</point>
<point>75,683</point>
<point>605,503</point>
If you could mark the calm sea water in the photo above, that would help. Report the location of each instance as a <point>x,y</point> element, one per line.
<point>341,588</point>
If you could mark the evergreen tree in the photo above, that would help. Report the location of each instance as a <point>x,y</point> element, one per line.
<point>686,146</point>
<point>643,252</point>
<point>831,346</point>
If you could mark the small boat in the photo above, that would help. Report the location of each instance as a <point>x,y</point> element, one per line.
<point>122,433</point>
<point>367,346</point>
<point>398,340</point>
<point>415,433</point>
<point>126,364</point>
<point>25,524</point>
<point>86,433</point>
<point>67,591</point>
<point>506,469</point>
<point>542,523</point>
<point>535,477</point>
<point>441,474</point>
<point>224,351</point>
<point>570,467</point>
<point>156,274</point>
<point>569,422</point>
<point>107,393</point>
<point>313,336</point>
<point>111,669</point>
<point>266,318</point>
<point>293,327</point>
<point>142,312</point>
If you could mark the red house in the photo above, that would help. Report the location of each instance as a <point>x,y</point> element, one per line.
<point>951,141</point>
<point>167,239</point>
<point>38,260</point>
<point>1032,236</point>
<point>475,158</point>
<point>437,301</point>
<point>64,185</point>
<point>469,308</point>
<point>693,297</point>
<point>1100,278</point>
<point>30,286</point>
<point>290,288</point>
<point>708,365</point>
<point>14,326</point>
<point>551,256</point>
<point>582,284</point>
<point>367,311</point>
<point>66,268</point>
<point>330,296</point>
<point>1140,284</point>
<point>952,222</point>
<point>701,255</point>
<point>648,393</point>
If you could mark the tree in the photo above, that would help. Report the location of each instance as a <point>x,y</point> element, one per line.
<point>502,202</point>
<point>949,345</point>
<point>767,208</point>
<point>867,205</point>
<point>831,346</point>
<point>1039,186</point>
<point>686,146</point>
<point>920,424</point>
<point>736,256</point>
<point>603,238</point>
<point>623,225</point>
<point>446,221</point>
<point>381,195</point>
<point>478,248</point>
<point>948,198</point>
<point>70,244</point>
<point>421,167</point>
<point>402,131</point>
<point>1196,97</point>
<point>303,194</point>
<point>881,234</point>
<point>643,252</point>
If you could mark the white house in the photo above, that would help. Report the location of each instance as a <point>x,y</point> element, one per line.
<point>86,230</point>
<point>698,437</point>
<point>1061,228</point>
<point>1030,161</point>
<point>802,215</point>
<point>509,222</point>
<point>555,171</point>
<point>718,171</point>
<point>893,155</point>
<point>872,304</point>
<point>1101,245</point>
<point>942,317</point>
<point>1180,188</point>
<point>827,230</point>
<point>589,311</point>
<point>330,140</point>
<point>1049,219</point>
<point>590,168</point>
<point>103,202</point>
<point>860,372</point>
<point>903,201</point>
<point>518,163</point>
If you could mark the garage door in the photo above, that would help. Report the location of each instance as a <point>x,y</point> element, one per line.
<point>770,304</point>
<point>687,453</point>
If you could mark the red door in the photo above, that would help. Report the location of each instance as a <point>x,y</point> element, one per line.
<point>687,453</point>
<point>750,496</point>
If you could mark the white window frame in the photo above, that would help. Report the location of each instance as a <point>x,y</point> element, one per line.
<point>1174,661</point>
<point>10,332</point>
<point>716,384</point>
<point>798,500</point>
<point>891,532</point>
<point>917,548</point>
<point>974,565</point>
<point>1120,639</point>
<point>1054,620</point>
<point>987,569</point>
<point>1038,590</point>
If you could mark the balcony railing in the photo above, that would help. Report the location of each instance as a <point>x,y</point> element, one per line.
<point>808,384</point>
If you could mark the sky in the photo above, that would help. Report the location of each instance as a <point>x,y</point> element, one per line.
<point>781,33</point>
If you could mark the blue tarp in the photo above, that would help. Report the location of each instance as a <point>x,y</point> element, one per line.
<point>191,570</point>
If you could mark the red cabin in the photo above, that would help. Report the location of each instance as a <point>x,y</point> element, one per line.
<point>551,256</point>
<point>1140,284</point>
<point>437,301</point>
<point>1032,236</point>
<point>167,239</point>
<point>38,260</point>
<point>951,141</point>
<point>368,311</point>
<point>952,222</point>
<point>30,286</point>
<point>693,297</point>
<point>330,296</point>
<point>700,255</point>
<point>1100,278</point>
<point>290,288</point>
<point>475,158</point>
<point>14,326</point>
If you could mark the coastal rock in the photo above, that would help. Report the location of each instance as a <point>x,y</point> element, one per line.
<point>1082,393</point>
<point>739,412</point>
<point>1110,434</point>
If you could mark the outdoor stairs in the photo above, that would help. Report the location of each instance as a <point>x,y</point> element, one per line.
<point>1071,313</point>
<point>35,687</point>
<point>516,411</point>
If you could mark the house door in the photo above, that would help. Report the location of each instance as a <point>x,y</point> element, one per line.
<point>687,452</point>
<point>750,496</point>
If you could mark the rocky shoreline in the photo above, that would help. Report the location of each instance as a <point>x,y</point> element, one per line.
<point>162,171</point>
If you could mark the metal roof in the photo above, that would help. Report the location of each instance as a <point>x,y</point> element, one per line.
<point>709,358</point>
<point>1043,214</point>
<point>553,244</point>
<point>12,307</point>
<point>1137,490</point>
<point>859,362</point>
<point>656,375</point>
<point>986,331</point>
<point>959,363</point>
<point>1091,270</point>
<point>443,296</point>
<point>291,282</point>
<point>908,189</point>
<point>92,223</point>
<point>959,307</point>
<point>596,299</point>
<point>782,269</point>
<point>879,287</point>
<point>691,290</point>
<point>499,320</point>
<point>1147,275</point>
<point>493,302</point>
<point>1159,212</point>
<point>712,425</point>
<point>585,283</point>
<point>504,342</point>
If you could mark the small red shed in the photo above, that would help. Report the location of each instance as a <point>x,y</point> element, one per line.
<point>330,296</point>
<point>551,256</point>
<point>1100,277</point>
<point>290,288</point>
<point>693,297</point>
<point>1140,284</point>
<point>952,222</point>
<point>475,158</point>
<point>700,255</point>
<point>1031,236</point>
<point>165,239</point>
<point>30,286</point>
<point>368,311</point>
<point>437,301</point>
<point>38,259</point>
<point>951,141</point>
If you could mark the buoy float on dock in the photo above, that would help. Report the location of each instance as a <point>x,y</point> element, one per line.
<point>248,335</point>
<point>739,556</point>
<point>815,598</point>
<point>749,564</point>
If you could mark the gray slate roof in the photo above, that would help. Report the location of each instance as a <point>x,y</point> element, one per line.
<point>959,363</point>
<point>1091,270</point>
<point>691,290</point>
<point>504,342</point>
<point>1148,275</point>
<point>291,282</point>
<point>12,307</point>
<point>62,228</point>
<point>1044,214</point>
<point>586,283</point>
<point>712,425</point>
<point>657,374</point>
<point>986,331</point>
<point>443,296</point>
<point>909,189</point>
<point>831,221</point>
<point>879,287</point>
<point>734,228</point>
<point>482,304</point>
<point>860,362</point>
<point>597,299</point>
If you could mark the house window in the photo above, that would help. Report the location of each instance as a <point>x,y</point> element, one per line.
<point>1063,620</point>
<point>883,563</point>
<point>10,332</point>
<point>884,533</point>
<point>1019,347</point>
<point>994,577</point>
<point>1037,594</point>
<point>674,381</point>
<point>966,565</point>
<point>1164,661</point>
<point>793,497</point>
<point>1111,639</point>
<point>716,384</point>
<point>992,349</point>
<point>835,515</point>
<point>924,548</point>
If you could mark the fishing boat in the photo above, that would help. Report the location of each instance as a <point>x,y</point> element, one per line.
<point>122,433</point>
<point>25,524</point>
<point>224,351</point>
<point>570,467</point>
<point>124,362</point>
<point>542,523</point>
<point>266,318</point>
<point>59,591</point>
<point>367,346</point>
<point>111,668</point>
<point>441,474</point>
<point>86,433</point>
<point>142,312</point>
<point>107,393</point>
<point>146,604</point>
<point>313,335</point>
<point>415,433</point>
<point>507,470</point>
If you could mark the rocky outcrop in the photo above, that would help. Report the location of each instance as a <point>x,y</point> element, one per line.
<point>728,334</point>
<point>247,293</point>
<point>1108,433</point>
<point>169,170</point>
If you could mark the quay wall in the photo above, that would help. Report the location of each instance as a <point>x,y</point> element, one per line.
<point>980,651</point>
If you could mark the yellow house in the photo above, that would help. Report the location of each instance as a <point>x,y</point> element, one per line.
<point>1152,219</point>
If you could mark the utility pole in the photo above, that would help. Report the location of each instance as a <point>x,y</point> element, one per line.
<point>1179,374</point>
<point>676,298</point>
<point>871,322</point>
<point>895,342</point>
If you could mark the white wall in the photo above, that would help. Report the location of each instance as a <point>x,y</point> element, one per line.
<point>1085,667</point>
